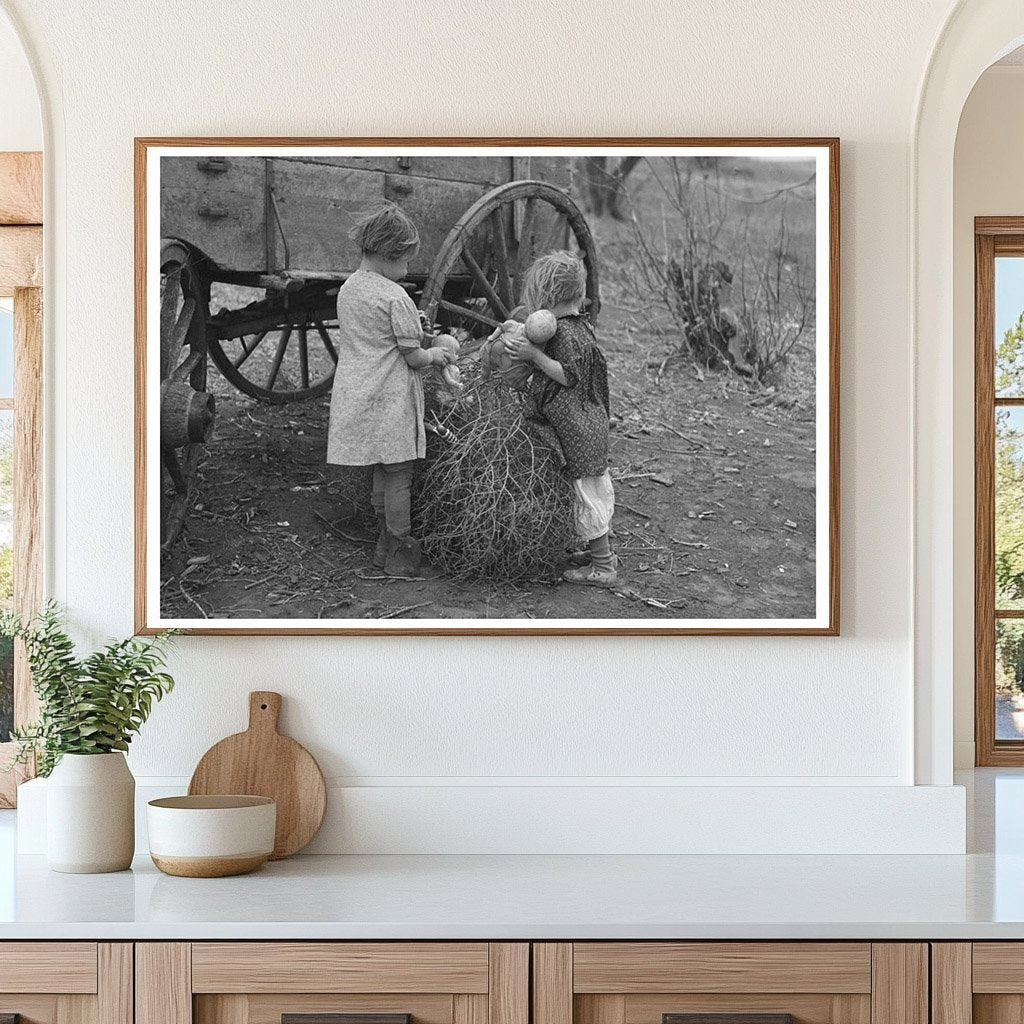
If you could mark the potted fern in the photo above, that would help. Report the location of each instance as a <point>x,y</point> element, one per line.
<point>89,710</point>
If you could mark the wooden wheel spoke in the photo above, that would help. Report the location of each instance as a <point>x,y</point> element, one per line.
<point>501,261</point>
<point>185,368</point>
<point>170,460</point>
<point>497,303</point>
<point>524,248</point>
<point>182,326</point>
<point>247,350</point>
<point>559,235</point>
<point>275,366</point>
<point>469,314</point>
<point>170,291</point>
<point>326,339</point>
<point>303,358</point>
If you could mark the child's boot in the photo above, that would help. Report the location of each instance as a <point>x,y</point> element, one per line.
<point>404,556</point>
<point>405,559</point>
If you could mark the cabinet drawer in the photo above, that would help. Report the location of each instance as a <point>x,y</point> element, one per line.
<point>66,982</point>
<point>332,983</point>
<point>340,967</point>
<point>980,982</point>
<point>730,983</point>
<point>64,967</point>
<point>633,967</point>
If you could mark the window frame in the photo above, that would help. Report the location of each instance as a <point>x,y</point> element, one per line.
<point>993,237</point>
<point>21,263</point>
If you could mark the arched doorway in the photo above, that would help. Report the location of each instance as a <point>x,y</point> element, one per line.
<point>977,33</point>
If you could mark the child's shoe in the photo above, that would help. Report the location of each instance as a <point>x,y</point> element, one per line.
<point>405,559</point>
<point>403,556</point>
<point>591,575</point>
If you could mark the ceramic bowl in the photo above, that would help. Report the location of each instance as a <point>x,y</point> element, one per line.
<point>211,836</point>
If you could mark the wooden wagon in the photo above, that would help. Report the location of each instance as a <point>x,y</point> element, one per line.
<point>280,224</point>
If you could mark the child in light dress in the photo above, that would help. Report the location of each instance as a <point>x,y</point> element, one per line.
<point>376,416</point>
<point>569,390</point>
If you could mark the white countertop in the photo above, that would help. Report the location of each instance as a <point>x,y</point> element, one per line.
<point>977,896</point>
<point>517,897</point>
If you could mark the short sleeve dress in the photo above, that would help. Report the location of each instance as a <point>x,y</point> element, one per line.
<point>377,400</point>
<point>578,412</point>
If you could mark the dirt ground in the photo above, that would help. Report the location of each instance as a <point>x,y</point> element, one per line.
<point>715,488</point>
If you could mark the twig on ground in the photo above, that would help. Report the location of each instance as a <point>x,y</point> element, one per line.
<point>635,511</point>
<point>686,437</point>
<point>192,601</point>
<point>401,611</point>
<point>393,579</point>
<point>676,451</point>
<point>341,533</point>
<point>256,583</point>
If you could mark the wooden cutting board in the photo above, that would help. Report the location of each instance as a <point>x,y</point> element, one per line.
<point>262,762</point>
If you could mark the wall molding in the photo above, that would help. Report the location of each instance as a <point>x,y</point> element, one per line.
<point>619,819</point>
<point>963,754</point>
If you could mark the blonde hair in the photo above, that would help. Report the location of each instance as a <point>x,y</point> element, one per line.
<point>555,279</point>
<point>387,232</point>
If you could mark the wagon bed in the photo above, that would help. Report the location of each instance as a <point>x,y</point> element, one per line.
<point>281,224</point>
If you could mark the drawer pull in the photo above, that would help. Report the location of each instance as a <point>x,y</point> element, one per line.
<point>345,1018</point>
<point>403,188</point>
<point>727,1018</point>
<point>213,212</point>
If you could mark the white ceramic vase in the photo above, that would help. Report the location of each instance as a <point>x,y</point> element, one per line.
<point>90,814</point>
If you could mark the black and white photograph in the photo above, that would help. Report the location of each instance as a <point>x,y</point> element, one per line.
<point>459,387</point>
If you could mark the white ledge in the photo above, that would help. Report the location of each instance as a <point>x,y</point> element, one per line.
<point>544,897</point>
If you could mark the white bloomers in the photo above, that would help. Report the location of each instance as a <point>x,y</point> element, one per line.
<point>593,505</point>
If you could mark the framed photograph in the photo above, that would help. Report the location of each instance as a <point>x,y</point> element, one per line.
<point>500,386</point>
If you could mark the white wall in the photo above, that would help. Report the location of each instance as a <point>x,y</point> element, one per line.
<point>466,711</point>
<point>21,126</point>
<point>987,181</point>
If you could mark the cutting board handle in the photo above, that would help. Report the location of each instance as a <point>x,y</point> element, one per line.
<point>264,710</point>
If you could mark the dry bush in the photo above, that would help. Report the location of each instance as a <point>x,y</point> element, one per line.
<point>724,267</point>
<point>495,504</point>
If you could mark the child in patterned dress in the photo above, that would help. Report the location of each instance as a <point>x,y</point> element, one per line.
<point>376,416</point>
<point>570,392</point>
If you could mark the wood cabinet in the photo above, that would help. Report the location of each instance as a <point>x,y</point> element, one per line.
<point>978,982</point>
<point>308,982</point>
<point>66,982</point>
<point>512,983</point>
<point>747,982</point>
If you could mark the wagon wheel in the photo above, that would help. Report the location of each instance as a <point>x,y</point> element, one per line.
<point>186,410</point>
<point>477,277</point>
<point>279,350</point>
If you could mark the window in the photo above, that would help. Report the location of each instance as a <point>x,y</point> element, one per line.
<point>21,365</point>
<point>999,490</point>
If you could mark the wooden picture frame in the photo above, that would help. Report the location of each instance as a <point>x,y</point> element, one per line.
<point>214,204</point>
